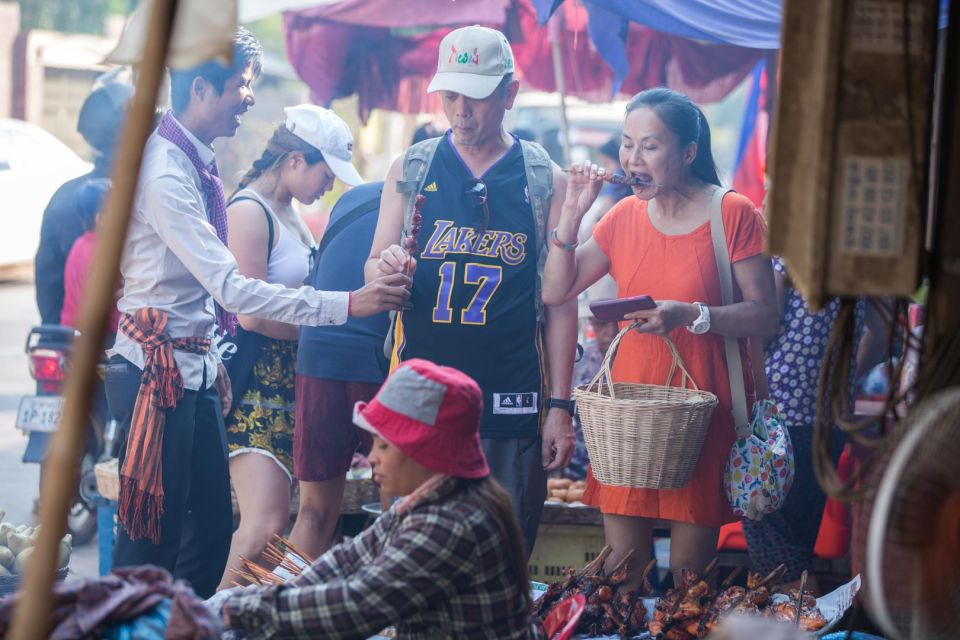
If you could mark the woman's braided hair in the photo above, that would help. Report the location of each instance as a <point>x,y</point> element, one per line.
<point>281,144</point>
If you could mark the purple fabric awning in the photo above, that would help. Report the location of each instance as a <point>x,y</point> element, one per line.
<point>386,50</point>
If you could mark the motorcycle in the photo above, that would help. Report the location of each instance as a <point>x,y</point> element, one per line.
<point>48,350</point>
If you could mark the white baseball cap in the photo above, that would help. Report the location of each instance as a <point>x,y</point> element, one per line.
<point>472,62</point>
<point>325,131</point>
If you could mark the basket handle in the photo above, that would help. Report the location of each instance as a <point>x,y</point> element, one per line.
<point>685,377</point>
<point>604,377</point>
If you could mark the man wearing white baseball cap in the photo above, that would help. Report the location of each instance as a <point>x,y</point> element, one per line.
<point>473,62</point>
<point>485,213</point>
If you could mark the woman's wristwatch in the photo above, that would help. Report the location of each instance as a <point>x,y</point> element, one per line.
<point>702,324</point>
<point>570,406</point>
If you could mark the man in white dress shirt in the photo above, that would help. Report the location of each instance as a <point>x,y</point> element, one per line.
<point>180,281</point>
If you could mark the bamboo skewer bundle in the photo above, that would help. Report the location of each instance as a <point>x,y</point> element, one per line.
<point>279,553</point>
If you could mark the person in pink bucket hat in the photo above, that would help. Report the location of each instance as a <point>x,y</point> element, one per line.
<point>446,561</point>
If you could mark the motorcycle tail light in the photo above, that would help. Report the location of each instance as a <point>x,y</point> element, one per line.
<point>48,367</point>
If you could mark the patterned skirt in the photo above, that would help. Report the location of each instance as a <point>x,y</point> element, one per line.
<point>263,419</point>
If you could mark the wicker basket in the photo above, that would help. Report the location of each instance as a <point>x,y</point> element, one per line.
<point>643,435</point>
<point>9,584</point>
<point>108,478</point>
<point>358,492</point>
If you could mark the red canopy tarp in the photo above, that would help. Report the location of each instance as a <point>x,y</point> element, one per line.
<point>386,52</point>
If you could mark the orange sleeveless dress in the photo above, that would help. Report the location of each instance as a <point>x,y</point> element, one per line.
<point>645,261</point>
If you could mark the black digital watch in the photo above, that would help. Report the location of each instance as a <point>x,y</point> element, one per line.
<point>569,406</point>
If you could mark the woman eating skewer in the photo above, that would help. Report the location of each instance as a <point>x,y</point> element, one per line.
<point>446,561</point>
<point>658,243</point>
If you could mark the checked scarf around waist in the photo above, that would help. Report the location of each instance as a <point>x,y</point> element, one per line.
<point>161,387</point>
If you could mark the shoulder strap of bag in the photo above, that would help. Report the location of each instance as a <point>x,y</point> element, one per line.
<point>269,221</point>
<point>539,169</point>
<point>369,206</point>
<point>738,393</point>
<point>416,162</point>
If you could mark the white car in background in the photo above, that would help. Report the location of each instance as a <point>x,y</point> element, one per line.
<point>33,165</point>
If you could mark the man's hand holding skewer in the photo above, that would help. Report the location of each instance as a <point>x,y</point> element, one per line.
<point>394,259</point>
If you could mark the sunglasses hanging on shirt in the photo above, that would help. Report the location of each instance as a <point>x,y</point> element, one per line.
<point>476,191</point>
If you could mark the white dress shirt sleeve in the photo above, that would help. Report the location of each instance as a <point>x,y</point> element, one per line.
<point>170,203</point>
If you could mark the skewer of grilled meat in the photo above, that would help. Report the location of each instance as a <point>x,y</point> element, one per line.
<point>410,241</point>
<point>810,617</point>
<point>607,611</point>
<point>682,616</point>
<point>573,582</point>
<point>416,223</point>
<point>709,621</point>
<point>803,583</point>
<point>554,593</point>
<point>756,594</point>
<point>600,615</point>
<point>681,605</point>
<point>684,601</point>
<point>622,180</point>
<point>632,607</point>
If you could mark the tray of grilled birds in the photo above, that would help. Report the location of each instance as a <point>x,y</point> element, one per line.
<point>692,608</point>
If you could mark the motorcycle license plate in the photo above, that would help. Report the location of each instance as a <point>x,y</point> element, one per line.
<point>39,413</point>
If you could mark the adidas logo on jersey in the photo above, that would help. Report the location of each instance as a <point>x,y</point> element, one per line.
<point>431,187</point>
<point>515,403</point>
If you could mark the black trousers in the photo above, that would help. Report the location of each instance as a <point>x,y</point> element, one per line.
<point>517,464</point>
<point>197,520</point>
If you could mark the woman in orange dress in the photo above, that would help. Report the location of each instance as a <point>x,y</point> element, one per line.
<point>658,244</point>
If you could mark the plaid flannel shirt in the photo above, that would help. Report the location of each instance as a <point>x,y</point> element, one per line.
<point>437,571</point>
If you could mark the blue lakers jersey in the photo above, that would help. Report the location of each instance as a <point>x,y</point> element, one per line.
<point>472,300</point>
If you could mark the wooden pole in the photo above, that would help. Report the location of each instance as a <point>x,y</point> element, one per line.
<point>31,618</point>
<point>938,364</point>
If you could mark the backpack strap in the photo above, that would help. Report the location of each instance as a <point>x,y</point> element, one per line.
<point>269,221</point>
<point>416,163</point>
<point>539,170</point>
<point>365,208</point>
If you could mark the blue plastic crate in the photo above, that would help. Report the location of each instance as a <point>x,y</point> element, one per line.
<point>106,533</point>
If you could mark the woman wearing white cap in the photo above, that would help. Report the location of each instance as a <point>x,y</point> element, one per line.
<point>271,242</point>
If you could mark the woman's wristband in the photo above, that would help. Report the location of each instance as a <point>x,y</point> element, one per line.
<point>566,246</point>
